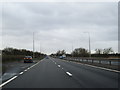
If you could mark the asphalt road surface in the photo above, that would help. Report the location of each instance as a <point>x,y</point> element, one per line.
<point>56,73</point>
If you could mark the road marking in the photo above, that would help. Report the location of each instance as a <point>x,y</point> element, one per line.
<point>62,68</point>
<point>34,64</point>
<point>68,73</point>
<point>102,68</point>
<point>16,76</point>
<point>55,62</point>
<point>21,73</point>
<point>25,70</point>
<point>8,81</point>
<point>96,67</point>
<point>58,65</point>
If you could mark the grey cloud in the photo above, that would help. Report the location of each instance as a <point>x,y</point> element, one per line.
<point>56,23</point>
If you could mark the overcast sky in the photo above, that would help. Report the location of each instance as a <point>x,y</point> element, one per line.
<point>60,25</point>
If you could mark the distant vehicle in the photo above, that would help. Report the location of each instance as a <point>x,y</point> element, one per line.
<point>62,57</point>
<point>46,57</point>
<point>28,59</point>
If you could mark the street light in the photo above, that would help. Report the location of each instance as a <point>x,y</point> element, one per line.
<point>89,44</point>
<point>40,47</point>
<point>33,44</point>
<point>72,49</point>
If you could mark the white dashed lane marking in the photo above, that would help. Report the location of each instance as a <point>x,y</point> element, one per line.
<point>25,70</point>
<point>58,65</point>
<point>21,73</point>
<point>17,76</point>
<point>68,73</point>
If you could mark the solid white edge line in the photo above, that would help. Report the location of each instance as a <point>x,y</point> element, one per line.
<point>34,65</point>
<point>96,67</point>
<point>69,74</point>
<point>8,81</point>
<point>102,68</point>
<point>16,76</point>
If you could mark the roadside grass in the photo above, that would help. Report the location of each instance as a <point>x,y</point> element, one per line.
<point>11,58</point>
<point>7,59</point>
<point>39,58</point>
<point>14,58</point>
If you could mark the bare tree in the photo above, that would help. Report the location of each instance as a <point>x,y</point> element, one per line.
<point>60,52</point>
<point>63,52</point>
<point>98,51</point>
<point>108,51</point>
<point>80,52</point>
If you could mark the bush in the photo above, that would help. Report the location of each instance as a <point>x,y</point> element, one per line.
<point>13,54</point>
<point>9,58</point>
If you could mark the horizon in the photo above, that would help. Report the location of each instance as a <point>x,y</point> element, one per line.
<point>56,51</point>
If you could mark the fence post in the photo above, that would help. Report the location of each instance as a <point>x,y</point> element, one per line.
<point>92,60</point>
<point>110,62</point>
<point>87,60</point>
<point>99,61</point>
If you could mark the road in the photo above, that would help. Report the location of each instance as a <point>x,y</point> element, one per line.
<point>56,73</point>
<point>13,68</point>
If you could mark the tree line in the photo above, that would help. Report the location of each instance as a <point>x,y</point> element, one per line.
<point>11,54</point>
<point>82,52</point>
